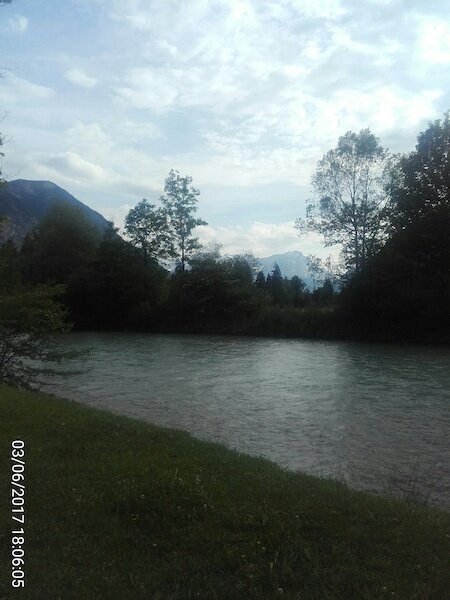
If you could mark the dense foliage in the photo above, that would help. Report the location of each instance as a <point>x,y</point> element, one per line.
<point>28,322</point>
<point>405,289</point>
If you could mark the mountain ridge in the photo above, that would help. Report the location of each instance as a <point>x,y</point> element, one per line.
<point>26,202</point>
<point>290,263</point>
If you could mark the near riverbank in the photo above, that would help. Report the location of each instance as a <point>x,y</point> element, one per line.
<point>116,508</point>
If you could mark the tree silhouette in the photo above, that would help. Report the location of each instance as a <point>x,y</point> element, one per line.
<point>352,209</point>
<point>179,205</point>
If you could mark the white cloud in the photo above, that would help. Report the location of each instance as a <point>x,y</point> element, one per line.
<point>72,167</point>
<point>88,138</point>
<point>434,42</point>
<point>132,131</point>
<point>116,214</point>
<point>244,95</point>
<point>263,239</point>
<point>149,89</point>
<point>18,24</point>
<point>268,112</point>
<point>160,89</point>
<point>320,9</point>
<point>16,90</point>
<point>79,77</point>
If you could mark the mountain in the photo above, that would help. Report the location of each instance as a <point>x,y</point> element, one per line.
<point>290,263</point>
<point>25,203</point>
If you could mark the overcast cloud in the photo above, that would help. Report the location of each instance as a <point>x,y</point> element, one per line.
<point>105,97</point>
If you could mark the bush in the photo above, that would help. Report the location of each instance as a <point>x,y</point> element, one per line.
<point>29,320</point>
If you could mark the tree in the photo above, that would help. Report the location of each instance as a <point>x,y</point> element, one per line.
<point>10,267</point>
<point>405,288</point>
<point>352,210</point>
<point>324,294</point>
<point>213,293</point>
<point>210,253</point>
<point>243,267</point>
<point>275,285</point>
<point>179,205</point>
<point>423,184</point>
<point>146,226</point>
<point>116,284</point>
<point>29,321</point>
<point>60,246</point>
<point>298,291</point>
<point>260,280</point>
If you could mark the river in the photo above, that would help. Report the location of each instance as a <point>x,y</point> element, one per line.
<point>375,415</point>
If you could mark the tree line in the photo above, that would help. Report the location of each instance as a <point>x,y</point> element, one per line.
<point>389,213</point>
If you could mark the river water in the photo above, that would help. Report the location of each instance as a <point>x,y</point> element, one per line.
<point>375,415</point>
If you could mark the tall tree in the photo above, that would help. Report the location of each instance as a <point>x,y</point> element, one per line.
<point>405,289</point>
<point>423,184</point>
<point>260,280</point>
<point>298,291</point>
<point>275,286</point>
<point>352,210</point>
<point>146,227</point>
<point>180,205</point>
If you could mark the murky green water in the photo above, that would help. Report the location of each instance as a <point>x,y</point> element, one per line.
<point>376,415</point>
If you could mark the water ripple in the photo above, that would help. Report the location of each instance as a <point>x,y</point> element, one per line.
<point>376,415</point>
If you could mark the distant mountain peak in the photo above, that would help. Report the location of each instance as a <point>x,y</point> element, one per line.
<point>290,263</point>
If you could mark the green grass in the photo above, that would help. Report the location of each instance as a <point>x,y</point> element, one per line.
<point>116,508</point>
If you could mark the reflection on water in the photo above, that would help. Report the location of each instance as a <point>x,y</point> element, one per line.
<point>366,413</point>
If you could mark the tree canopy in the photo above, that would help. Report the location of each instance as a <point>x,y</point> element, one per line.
<point>352,202</point>
<point>166,232</point>
<point>146,227</point>
<point>406,286</point>
<point>60,246</point>
<point>179,203</point>
<point>423,188</point>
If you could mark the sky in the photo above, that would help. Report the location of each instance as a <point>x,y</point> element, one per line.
<point>104,97</point>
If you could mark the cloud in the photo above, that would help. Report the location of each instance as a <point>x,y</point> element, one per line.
<point>116,214</point>
<point>266,109</point>
<point>434,42</point>
<point>79,77</point>
<point>70,166</point>
<point>263,239</point>
<point>320,9</point>
<point>17,90</point>
<point>84,172</point>
<point>244,95</point>
<point>18,24</point>
<point>149,89</point>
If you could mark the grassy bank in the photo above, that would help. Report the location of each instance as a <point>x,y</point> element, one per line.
<point>119,509</point>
